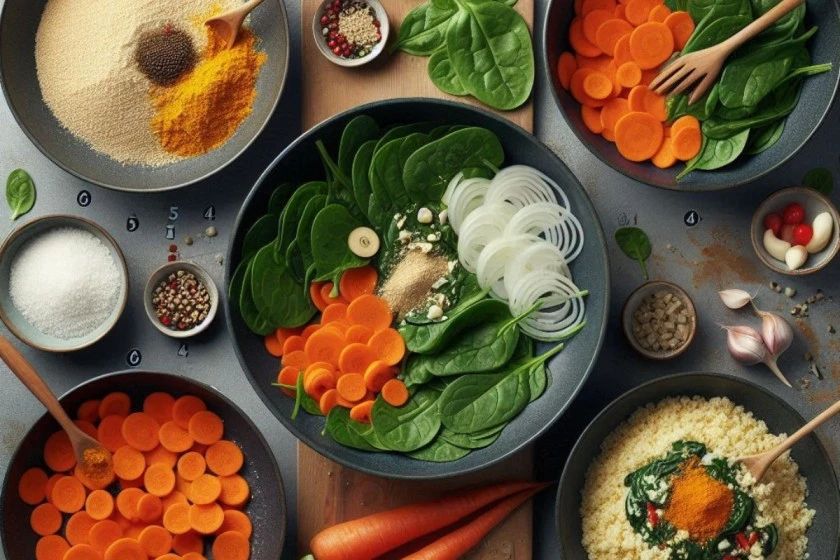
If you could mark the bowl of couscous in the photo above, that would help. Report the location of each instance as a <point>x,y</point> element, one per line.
<point>637,479</point>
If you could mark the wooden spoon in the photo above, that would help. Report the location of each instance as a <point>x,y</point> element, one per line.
<point>706,64</point>
<point>35,383</point>
<point>758,464</point>
<point>227,25</point>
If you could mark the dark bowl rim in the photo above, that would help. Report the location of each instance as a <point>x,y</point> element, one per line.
<point>315,444</point>
<point>549,74</point>
<point>562,486</point>
<point>182,379</point>
<point>68,167</point>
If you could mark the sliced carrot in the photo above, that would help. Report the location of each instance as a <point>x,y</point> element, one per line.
<point>193,556</point>
<point>358,333</point>
<point>638,11</point>
<point>638,136</point>
<point>235,490</point>
<point>315,295</point>
<point>659,13</point>
<point>686,121</point>
<point>309,331</point>
<point>636,98</point>
<point>622,52</point>
<point>603,64</point>
<point>629,75</point>
<point>579,42</point>
<point>613,111</point>
<point>231,545</point>
<point>651,44</point>
<point>77,529</point>
<point>149,508</point>
<point>655,105</point>
<point>206,427</point>
<point>356,357</point>
<point>129,463</point>
<point>89,410</point>
<point>137,483</point>
<point>371,311</point>
<point>686,143</point>
<point>205,489</point>
<point>103,534</point>
<point>592,5</point>
<point>51,484</point>
<point>159,406</point>
<point>388,345</point>
<point>206,518</point>
<point>619,12</point>
<point>169,556</point>
<point>174,438</point>
<point>336,312</point>
<point>591,117</point>
<point>224,458</point>
<point>174,497</point>
<point>681,25</point>
<point>395,393</point>
<point>176,518</point>
<point>189,542</point>
<point>99,505</point>
<point>51,547</point>
<point>592,21</point>
<point>283,334</point>
<point>86,427</point>
<point>318,382</point>
<point>296,359</point>
<point>155,540</point>
<point>185,407</point>
<point>159,480</point>
<point>336,326</point>
<point>272,345</point>
<point>566,66</point>
<point>236,521</point>
<point>609,135</point>
<point>326,295</point>
<point>58,452</point>
<point>117,403</point>
<point>191,465</point>
<point>68,495</point>
<point>597,86</point>
<point>361,412</point>
<point>610,32</point>
<point>140,431</point>
<point>576,88</point>
<point>127,502</point>
<point>125,549</point>
<point>376,375</point>
<point>357,282</point>
<point>324,346</point>
<point>182,485</point>
<point>45,520</point>
<point>160,454</point>
<point>288,376</point>
<point>328,401</point>
<point>293,344</point>
<point>351,387</point>
<point>32,486</point>
<point>82,552</point>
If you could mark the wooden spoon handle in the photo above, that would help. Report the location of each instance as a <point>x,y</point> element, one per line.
<point>246,8</point>
<point>34,382</point>
<point>805,430</point>
<point>762,23</point>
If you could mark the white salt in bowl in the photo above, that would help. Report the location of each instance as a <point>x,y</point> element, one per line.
<point>11,315</point>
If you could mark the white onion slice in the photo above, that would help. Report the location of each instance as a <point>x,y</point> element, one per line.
<point>450,188</point>
<point>522,185</point>
<point>466,197</point>
<point>492,263</point>
<point>538,256</point>
<point>559,226</point>
<point>480,228</point>
<point>562,312</point>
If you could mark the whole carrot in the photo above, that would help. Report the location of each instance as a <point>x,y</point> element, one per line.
<point>376,534</point>
<point>458,542</point>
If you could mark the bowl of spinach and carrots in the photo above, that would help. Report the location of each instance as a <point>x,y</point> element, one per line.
<point>746,131</point>
<point>302,163</point>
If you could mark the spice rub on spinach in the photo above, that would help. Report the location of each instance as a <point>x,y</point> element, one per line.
<point>692,502</point>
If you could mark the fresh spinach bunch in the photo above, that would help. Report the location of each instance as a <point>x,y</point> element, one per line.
<point>481,48</point>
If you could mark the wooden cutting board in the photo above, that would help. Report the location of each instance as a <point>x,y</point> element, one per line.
<point>327,492</point>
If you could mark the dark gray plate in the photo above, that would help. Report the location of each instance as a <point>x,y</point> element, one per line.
<point>300,162</point>
<point>20,19</point>
<point>779,416</point>
<point>817,96</point>
<point>267,507</point>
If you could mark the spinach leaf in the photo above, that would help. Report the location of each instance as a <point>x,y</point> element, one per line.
<point>358,131</point>
<point>360,176</point>
<point>339,185</point>
<point>263,232</point>
<point>290,218</point>
<point>480,401</point>
<point>303,240</point>
<point>475,440</point>
<point>634,243</point>
<point>20,193</point>
<point>785,27</point>
<point>490,47</point>
<point>440,451</point>
<point>430,338</point>
<point>780,103</point>
<point>347,431</point>
<point>819,179</point>
<point>330,230</point>
<point>677,5</point>
<point>309,404</point>
<point>386,174</point>
<point>403,131</point>
<point>424,28</point>
<point>443,74</point>
<point>764,137</point>
<point>277,295</point>
<point>715,154</point>
<point>702,109</point>
<point>699,9</point>
<point>415,371</point>
<point>279,196</point>
<point>428,171</point>
<point>715,31</point>
<point>410,426</point>
<point>251,315</point>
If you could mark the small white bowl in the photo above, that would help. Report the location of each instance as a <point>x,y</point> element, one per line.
<point>318,35</point>
<point>161,273</point>
<point>636,298</point>
<point>814,203</point>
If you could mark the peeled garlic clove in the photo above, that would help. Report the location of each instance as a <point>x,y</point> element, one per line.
<point>776,247</point>
<point>796,256</point>
<point>823,227</point>
<point>735,299</point>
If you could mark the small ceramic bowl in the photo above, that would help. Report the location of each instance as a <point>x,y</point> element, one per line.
<point>202,275</point>
<point>814,203</point>
<point>318,34</point>
<point>637,297</point>
<point>12,317</point>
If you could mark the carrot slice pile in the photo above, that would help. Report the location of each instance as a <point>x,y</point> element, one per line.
<point>178,491</point>
<point>618,49</point>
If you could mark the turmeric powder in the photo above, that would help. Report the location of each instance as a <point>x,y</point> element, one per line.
<point>97,465</point>
<point>698,504</point>
<point>205,107</point>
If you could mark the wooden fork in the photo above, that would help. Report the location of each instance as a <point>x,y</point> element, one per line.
<point>705,65</point>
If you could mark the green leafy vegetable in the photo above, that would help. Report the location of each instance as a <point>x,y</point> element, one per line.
<point>277,295</point>
<point>423,30</point>
<point>764,137</point>
<point>263,232</point>
<point>279,196</point>
<point>410,426</point>
<point>251,315</point>
<point>347,431</point>
<point>357,132</point>
<point>20,193</point>
<point>634,243</point>
<point>440,451</point>
<point>290,218</point>
<point>360,175</point>
<point>715,153</point>
<point>443,74</point>
<point>430,338</point>
<point>330,231</point>
<point>819,179</point>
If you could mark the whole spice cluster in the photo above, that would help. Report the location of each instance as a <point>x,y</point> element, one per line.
<point>661,322</point>
<point>350,28</point>
<point>181,301</point>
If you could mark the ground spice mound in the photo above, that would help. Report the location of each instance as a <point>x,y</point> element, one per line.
<point>164,55</point>
<point>410,283</point>
<point>699,504</point>
<point>203,109</point>
<point>97,466</point>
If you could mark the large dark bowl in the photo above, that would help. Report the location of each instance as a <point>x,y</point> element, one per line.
<point>300,162</point>
<point>780,417</point>
<point>18,26</point>
<point>267,507</point>
<point>817,97</point>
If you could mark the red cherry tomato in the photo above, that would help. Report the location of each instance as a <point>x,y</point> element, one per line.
<point>802,234</point>
<point>773,221</point>
<point>793,213</point>
<point>787,233</point>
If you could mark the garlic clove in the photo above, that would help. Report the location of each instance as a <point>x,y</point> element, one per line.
<point>776,333</point>
<point>735,299</point>
<point>746,345</point>
<point>823,226</point>
<point>796,256</point>
<point>775,246</point>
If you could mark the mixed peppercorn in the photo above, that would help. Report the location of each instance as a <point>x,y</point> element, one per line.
<point>181,301</point>
<point>350,28</point>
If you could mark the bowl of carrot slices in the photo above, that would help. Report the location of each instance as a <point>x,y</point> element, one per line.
<point>601,55</point>
<point>193,478</point>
